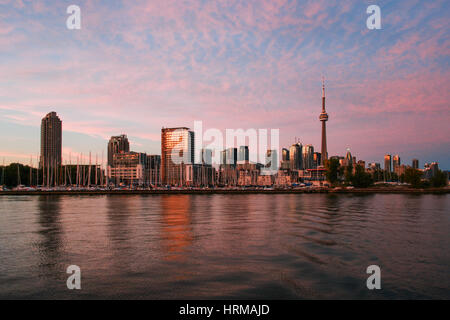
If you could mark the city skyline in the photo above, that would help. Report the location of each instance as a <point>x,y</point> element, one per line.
<point>120,143</point>
<point>133,68</point>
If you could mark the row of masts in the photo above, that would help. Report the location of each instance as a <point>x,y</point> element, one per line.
<point>52,174</point>
<point>86,175</point>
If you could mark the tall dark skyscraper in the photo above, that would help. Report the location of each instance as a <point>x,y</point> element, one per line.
<point>415,163</point>
<point>51,141</point>
<point>295,156</point>
<point>117,144</point>
<point>323,118</point>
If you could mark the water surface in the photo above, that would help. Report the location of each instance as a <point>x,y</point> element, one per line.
<point>283,246</point>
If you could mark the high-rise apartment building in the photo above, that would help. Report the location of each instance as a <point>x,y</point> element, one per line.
<point>117,144</point>
<point>177,150</point>
<point>206,155</point>
<point>295,156</point>
<point>388,163</point>
<point>243,154</point>
<point>271,161</point>
<point>285,161</point>
<point>317,159</point>
<point>396,163</point>
<point>308,156</point>
<point>232,156</point>
<point>51,141</point>
<point>285,154</point>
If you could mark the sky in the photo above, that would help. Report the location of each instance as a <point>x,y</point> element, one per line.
<point>137,66</point>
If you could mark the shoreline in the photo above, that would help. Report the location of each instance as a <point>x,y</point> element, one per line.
<point>390,190</point>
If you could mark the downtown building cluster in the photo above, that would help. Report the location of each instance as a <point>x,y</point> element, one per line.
<point>180,165</point>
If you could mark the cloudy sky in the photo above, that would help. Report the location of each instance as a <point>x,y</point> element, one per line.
<point>136,66</point>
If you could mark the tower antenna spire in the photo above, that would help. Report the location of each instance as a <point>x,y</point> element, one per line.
<point>323,86</point>
<point>323,118</point>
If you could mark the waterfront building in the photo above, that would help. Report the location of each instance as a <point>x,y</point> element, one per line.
<point>51,140</point>
<point>387,167</point>
<point>177,150</point>
<point>128,168</point>
<point>317,158</point>
<point>323,118</point>
<point>387,163</point>
<point>295,156</point>
<point>223,157</point>
<point>117,144</point>
<point>266,180</point>
<point>285,163</point>
<point>348,161</point>
<point>206,155</point>
<point>396,163</point>
<point>247,174</point>
<point>243,154</point>
<point>308,156</point>
<point>231,156</point>
<point>430,170</point>
<point>199,175</point>
<point>153,170</point>
<point>271,161</point>
<point>283,178</point>
<point>51,148</point>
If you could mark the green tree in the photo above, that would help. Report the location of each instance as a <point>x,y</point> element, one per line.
<point>413,177</point>
<point>16,173</point>
<point>439,180</point>
<point>332,167</point>
<point>361,179</point>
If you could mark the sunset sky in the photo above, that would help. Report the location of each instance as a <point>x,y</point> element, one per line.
<point>136,66</point>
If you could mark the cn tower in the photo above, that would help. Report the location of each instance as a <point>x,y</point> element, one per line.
<point>324,118</point>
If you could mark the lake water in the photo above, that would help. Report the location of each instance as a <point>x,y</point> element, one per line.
<point>284,246</point>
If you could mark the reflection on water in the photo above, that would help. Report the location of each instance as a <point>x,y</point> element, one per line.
<point>51,242</point>
<point>176,229</point>
<point>225,246</point>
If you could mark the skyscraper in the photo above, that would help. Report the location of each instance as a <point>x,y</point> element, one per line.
<point>117,144</point>
<point>415,163</point>
<point>387,163</point>
<point>206,155</point>
<point>317,159</point>
<point>231,156</point>
<point>295,156</point>
<point>348,158</point>
<point>177,150</point>
<point>284,155</point>
<point>285,159</point>
<point>243,153</point>
<point>396,163</point>
<point>51,141</point>
<point>308,156</point>
<point>271,160</point>
<point>324,118</point>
